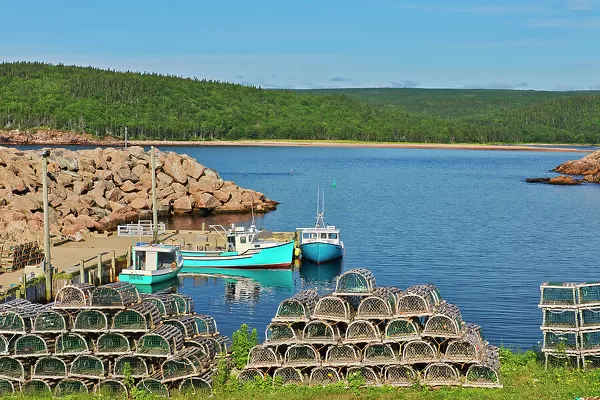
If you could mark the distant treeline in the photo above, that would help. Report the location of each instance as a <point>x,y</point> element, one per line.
<point>152,106</point>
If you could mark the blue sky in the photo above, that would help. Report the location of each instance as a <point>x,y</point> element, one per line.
<point>528,44</point>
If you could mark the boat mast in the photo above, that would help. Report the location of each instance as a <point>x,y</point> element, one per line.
<point>154,207</point>
<point>320,218</point>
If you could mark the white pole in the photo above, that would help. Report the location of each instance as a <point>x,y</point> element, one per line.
<point>47,260</point>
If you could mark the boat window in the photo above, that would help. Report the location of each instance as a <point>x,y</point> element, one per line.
<point>140,259</point>
<point>323,236</point>
<point>250,237</point>
<point>313,235</point>
<point>305,235</point>
<point>333,236</point>
<point>165,260</point>
<point>242,239</point>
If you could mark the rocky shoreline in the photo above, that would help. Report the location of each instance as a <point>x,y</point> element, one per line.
<point>588,167</point>
<point>95,190</point>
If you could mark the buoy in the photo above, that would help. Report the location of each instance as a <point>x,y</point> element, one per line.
<point>297,251</point>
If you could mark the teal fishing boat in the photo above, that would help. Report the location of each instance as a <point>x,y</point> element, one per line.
<point>244,251</point>
<point>152,264</point>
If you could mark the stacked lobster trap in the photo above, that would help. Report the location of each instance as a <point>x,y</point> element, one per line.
<point>571,323</point>
<point>91,339</point>
<point>386,335</point>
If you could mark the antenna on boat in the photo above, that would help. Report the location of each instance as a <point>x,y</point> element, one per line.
<point>252,207</point>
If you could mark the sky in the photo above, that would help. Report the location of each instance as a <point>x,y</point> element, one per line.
<point>527,44</point>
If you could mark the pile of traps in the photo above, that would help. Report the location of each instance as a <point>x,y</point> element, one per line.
<point>571,323</point>
<point>388,336</point>
<point>91,339</point>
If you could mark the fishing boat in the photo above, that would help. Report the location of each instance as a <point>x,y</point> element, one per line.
<point>322,243</point>
<point>244,251</point>
<point>152,264</point>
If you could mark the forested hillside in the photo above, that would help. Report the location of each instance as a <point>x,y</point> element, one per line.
<point>154,106</point>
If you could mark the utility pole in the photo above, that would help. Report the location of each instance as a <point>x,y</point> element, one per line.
<point>154,206</point>
<point>125,137</point>
<point>47,260</point>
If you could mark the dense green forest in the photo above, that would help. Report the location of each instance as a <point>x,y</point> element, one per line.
<point>155,106</point>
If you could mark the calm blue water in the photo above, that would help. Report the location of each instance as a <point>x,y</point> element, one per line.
<point>463,220</point>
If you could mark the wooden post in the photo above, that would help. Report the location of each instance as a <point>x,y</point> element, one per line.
<point>99,269</point>
<point>113,267</point>
<point>82,271</point>
<point>129,257</point>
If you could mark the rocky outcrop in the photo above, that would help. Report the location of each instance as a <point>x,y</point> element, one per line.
<point>95,190</point>
<point>54,137</point>
<point>589,166</point>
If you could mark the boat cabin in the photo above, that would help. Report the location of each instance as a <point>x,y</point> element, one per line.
<point>154,258</point>
<point>328,234</point>
<point>240,239</point>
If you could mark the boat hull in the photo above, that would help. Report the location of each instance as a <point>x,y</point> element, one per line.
<point>142,278</point>
<point>321,252</point>
<point>275,257</point>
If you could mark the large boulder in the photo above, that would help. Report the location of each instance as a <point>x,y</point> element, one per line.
<point>173,167</point>
<point>182,205</point>
<point>587,164</point>
<point>192,168</point>
<point>205,201</point>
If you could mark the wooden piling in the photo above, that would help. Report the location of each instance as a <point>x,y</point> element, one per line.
<point>100,269</point>
<point>113,267</point>
<point>82,271</point>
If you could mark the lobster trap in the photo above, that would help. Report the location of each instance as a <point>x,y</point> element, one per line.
<point>153,386</point>
<point>589,341</point>
<point>358,281</point>
<point>110,344</point>
<point>74,296</point>
<point>302,355</point>
<point>297,308</point>
<point>588,294</point>
<point>468,349</point>
<point>166,304</point>
<point>400,375</point>
<point>250,375</point>
<point>195,385</point>
<point>323,376</point>
<point>380,354</point>
<point>288,376</point>
<point>441,374</point>
<point>72,344</point>
<point>220,343</point>
<point>3,346</point>
<point>50,368</point>
<point>381,304</point>
<point>17,321</point>
<point>32,345</point>
<point>138,367</point>
<point>446,322</point>
<point>187,364</point>
<point>142,317</point>
<point>114,295</point>
<point>184,303</point>
<point>560,319</point>
<point>589,318</point>
<point>321,332</point>
<point>334,308</point>
<point>186,324</point>
<point>487,373</point>
<point>371,378</point>
<point>558,341</point>
<point>14,369</point>
<point>419,351</point>
<point>418,301</point>
<point>263,357</point>
<point>37,386</point>
<point>343,355</point>
<point>205,345</point>
<point>69,386</point>
<point>558,295</point>
<point>87,366</point>
<point>282,333</point>
<point>164,341</point>
<point>91,321</point>
<point>403,330</point>
<point>206,325</point>
<point>112,388</point>
<point>362,331</point>
<point>52,321</point>
<point>562,358</point>
<point>7,387</point>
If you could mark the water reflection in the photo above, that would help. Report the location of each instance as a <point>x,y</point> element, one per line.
<point>170,285</point>
<point>319,276</point>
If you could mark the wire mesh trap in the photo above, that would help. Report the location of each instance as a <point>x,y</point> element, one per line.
<point>140,318</point>
<point>589,318</point>
<point>52,321</point>
<point>37,386</point>
<point>380,354</point>
<point>50,368</point>
<point>403,330</point>
<point>87,366</point>
<point>368,374</point>
<point>220,343</point>
<point>418,301</point>
<point>153,386</point>
<point>557,341</point>
<point>3,346</point>
<point>358,281</point>
<point>562,358</point>
<point>288,376</point>
<point>334,308</point>
<point>32,345</point>
<point>188,363</point>
<point>298,307</point>
<point>113,344</point>
<point>381,305</point>
<point>343,355</point>
<point>302,355</point>
<point>282,332</point>
<point>205,345</point>
<point>185,323</point>
<point>72,344</point>
<point>558,294</point>
<point>419,351</point>
<point>441,374</point>
<point>588,294</point>
<point>400,375</point>
<point>250,375</point>
<point>74,296</point>
<point>111,388</point>
<point>560,319</point>
<point>446,322</point>
<point>589,341</point>
<point>114,295</point>
<point>195,385</point>
<point>14,369</point>
<point>184,303</point>
<point>321,332</point>
<point>91,321</point>
<point>470,348</point>
<point>7,387</point>
<point>164,341</point>
<point>69,386</point>
<point>323,376</point>
<point>360,331</point>
<point>166,304</point>
<point>485,374</point>
<point>138,367</point>
<point>206,325</point>
<point>16,321</point>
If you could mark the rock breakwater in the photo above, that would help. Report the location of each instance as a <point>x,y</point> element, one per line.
<point>95,190</point>
<point>588,166</point>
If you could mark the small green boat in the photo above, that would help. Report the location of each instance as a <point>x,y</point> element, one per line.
<point>152,264</point>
